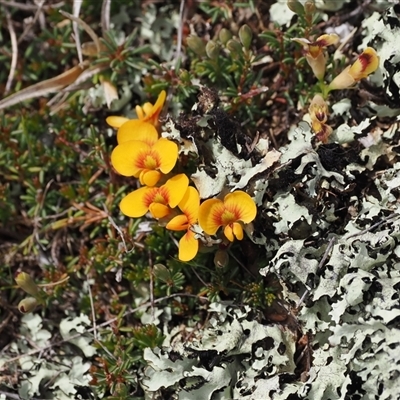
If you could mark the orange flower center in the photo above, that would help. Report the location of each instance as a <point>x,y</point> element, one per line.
<point>156,195</point>
<point>315,49</point>
<point>148,160</point>
<point>226,216</point>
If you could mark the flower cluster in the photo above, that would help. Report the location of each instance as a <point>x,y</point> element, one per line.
<point>169,198</point>
<point>366,63</point>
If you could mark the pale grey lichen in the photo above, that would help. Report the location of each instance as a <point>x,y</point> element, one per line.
<point>236,357</point>
<point>351,311</point>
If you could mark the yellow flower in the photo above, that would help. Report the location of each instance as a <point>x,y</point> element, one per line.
<point>189,205</point>
<point>149,112</point>
<point>319,116</point>
<point>158,200</point>
<point>366,63</point>
<point>144,161</point>
<point>146,113</point>
<point>314,52</point>
<point>237,207</point>
<point>135,129</point>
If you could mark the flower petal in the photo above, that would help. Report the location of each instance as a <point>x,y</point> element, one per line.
<point>140,112</point>
<point>159,210</point>
<point>322,131</point>
<point>147,108</point>
<point>115,121</point>
<point>178,223</point>
<point>318,109</point>
<point>366,63</point>
<point>159,104</point>
<point>190,204</point>
<point>188,246</point>
<point>343,81</point>
<point>150,113</point>
<point>313,51</point>
<point>233,231</point>
<point>134,205</point>
<point>326,40</point>
<point>177,187</point>
<point>149,177</point>
<point>237,230</point>
<point>228,232</point>
<point>303,41</point>
<point>168,154</point>
<point>242,205</point>
<point>317,64</point>
<point>209,215</point>
<point>136,129</point>
<point>125,156</point>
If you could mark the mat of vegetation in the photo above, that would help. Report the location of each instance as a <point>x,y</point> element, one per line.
<point>199,200</point>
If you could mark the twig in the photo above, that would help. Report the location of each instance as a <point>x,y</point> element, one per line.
<point>35,18</point>
<point>151,285</point>
<point>241,264</point>
<point>75,10</point>
<point>117,228</point>
<point>111,355</point>
<point>105,16</point>
<point>44,87</point>
<point>86,27</point>
<point>92,308</point>
<point>36,219</point>
<point>251,147</point>
<point>29,7</point>
<point>14,58</point>
<point>199,277</point>
<point>338,53</point>
<point>383,221</point>
<point>106,323</point>
<point>180,32</point>
<point>321,263</point>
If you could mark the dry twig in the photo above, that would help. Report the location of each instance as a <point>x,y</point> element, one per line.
<point>105,16</point>
<point>14,58</point>
<point>75,10</point>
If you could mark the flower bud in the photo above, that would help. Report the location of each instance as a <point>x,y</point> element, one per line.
<point>212,50</point>
<point>27,305</point>
<point>162,273</point>
<point>245,36</point>
<point>221,258</point>
<point>120,390</point>
<point>225,35</point>
<point>26,283</point>
<point>197,45</point>
<point>296,7</point>
<point>309,7</point>
<point>184,76</point>
<point>234,47</point>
